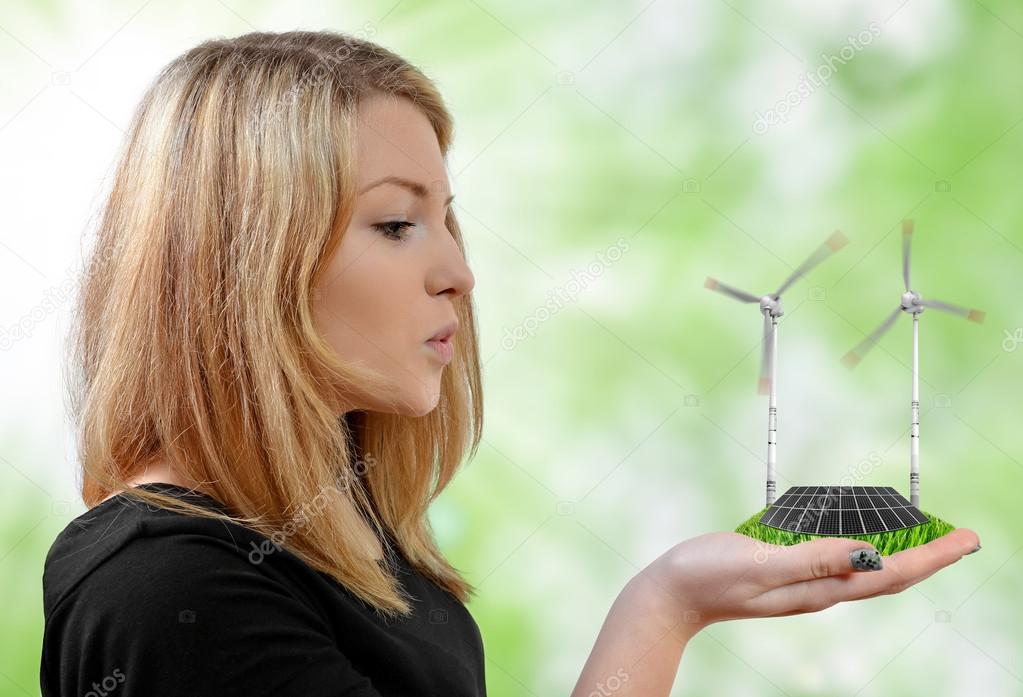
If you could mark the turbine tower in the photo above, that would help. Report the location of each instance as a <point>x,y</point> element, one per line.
<point>913,304</point>
<point>770,306</point>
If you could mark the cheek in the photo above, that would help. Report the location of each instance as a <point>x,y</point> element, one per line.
<point>364,308</point>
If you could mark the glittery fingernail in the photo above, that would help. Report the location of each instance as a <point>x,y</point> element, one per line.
<point>974,550</point>
<point>866,559</point>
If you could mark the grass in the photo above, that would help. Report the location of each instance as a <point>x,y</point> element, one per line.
<point>886,542</point>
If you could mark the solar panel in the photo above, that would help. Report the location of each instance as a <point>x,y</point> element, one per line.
<point>842,510</point>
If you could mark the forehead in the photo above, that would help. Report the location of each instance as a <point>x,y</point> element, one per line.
<point>396,138</point>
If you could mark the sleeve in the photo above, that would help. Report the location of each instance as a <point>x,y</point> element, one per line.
<point>190,615</point>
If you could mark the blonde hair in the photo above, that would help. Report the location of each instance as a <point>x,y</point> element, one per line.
<point>193,338</point>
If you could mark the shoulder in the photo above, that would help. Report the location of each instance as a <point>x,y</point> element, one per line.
<point>168,588</point>
<point>186,611</point>
<point>122,532</point>
<point>125,548</point>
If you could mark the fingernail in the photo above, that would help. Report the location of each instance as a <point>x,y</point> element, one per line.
<point>974,550</point>
<point>866,559</point>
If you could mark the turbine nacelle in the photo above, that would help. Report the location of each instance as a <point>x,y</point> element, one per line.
<point>911,302</point>
<point>771,305</point>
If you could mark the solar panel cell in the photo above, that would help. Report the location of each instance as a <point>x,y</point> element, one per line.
<point>917,515</point>
<point>872,522</point>
<point>769,516</point>
<point>906,517</point>
<point>891,521</point>
<point>783,515</point>
<point>851,524</point>
<point>817,502</point>
<point>829,523</point>
<point>806,521</point>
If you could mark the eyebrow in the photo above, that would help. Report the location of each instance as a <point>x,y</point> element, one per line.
<point>415,187</point>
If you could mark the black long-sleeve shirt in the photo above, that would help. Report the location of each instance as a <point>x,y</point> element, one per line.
<point>140,601</point>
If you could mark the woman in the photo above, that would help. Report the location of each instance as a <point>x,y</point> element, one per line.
<point>277,371</point>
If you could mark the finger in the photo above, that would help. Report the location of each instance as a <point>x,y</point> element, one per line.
<point>900,571</point>
<point>814,559</point>
<point>909,569</point>
<point>890,590</point>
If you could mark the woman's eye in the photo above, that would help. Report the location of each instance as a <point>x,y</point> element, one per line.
<point>394,230</point>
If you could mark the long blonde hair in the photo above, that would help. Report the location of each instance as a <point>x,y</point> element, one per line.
<point>193,338</point>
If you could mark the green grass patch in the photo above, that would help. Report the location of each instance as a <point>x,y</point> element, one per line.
<point>885,542</point>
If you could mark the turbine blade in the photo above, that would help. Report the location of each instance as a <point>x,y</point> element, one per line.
<point>836,241</point>
<point>970,314</point>
<point>766,356</point>
<point>720,287</point>
<point>852,359</point>
<point>907,238</point>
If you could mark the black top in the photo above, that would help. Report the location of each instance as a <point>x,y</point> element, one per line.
<point>140,601</point>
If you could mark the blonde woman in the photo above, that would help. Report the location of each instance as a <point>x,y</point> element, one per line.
<point>276,371</point>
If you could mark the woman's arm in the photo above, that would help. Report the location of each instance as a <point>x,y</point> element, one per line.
<point>724,575</point>
<point>640,644</point>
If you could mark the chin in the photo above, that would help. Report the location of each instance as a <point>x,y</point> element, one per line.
<point>416,399</point>
<point>418,404</point>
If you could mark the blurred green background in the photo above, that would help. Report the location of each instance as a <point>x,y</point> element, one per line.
<point>609,157</point>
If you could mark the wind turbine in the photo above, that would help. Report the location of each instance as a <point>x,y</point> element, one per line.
<point>770,306</point>
<point>912,303</point>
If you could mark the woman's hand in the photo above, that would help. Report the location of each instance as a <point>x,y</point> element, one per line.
<point>725,575</point>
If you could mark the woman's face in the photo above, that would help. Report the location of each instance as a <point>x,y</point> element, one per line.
<point>391,284</point>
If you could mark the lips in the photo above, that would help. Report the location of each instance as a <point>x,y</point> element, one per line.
<point>440,343</point>
<point>445,332</point>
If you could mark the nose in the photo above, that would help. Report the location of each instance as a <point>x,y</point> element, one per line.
<point>450,274</point>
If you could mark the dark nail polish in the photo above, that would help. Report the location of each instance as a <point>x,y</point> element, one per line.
<point>866,560</point>
<point>974,550</point>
